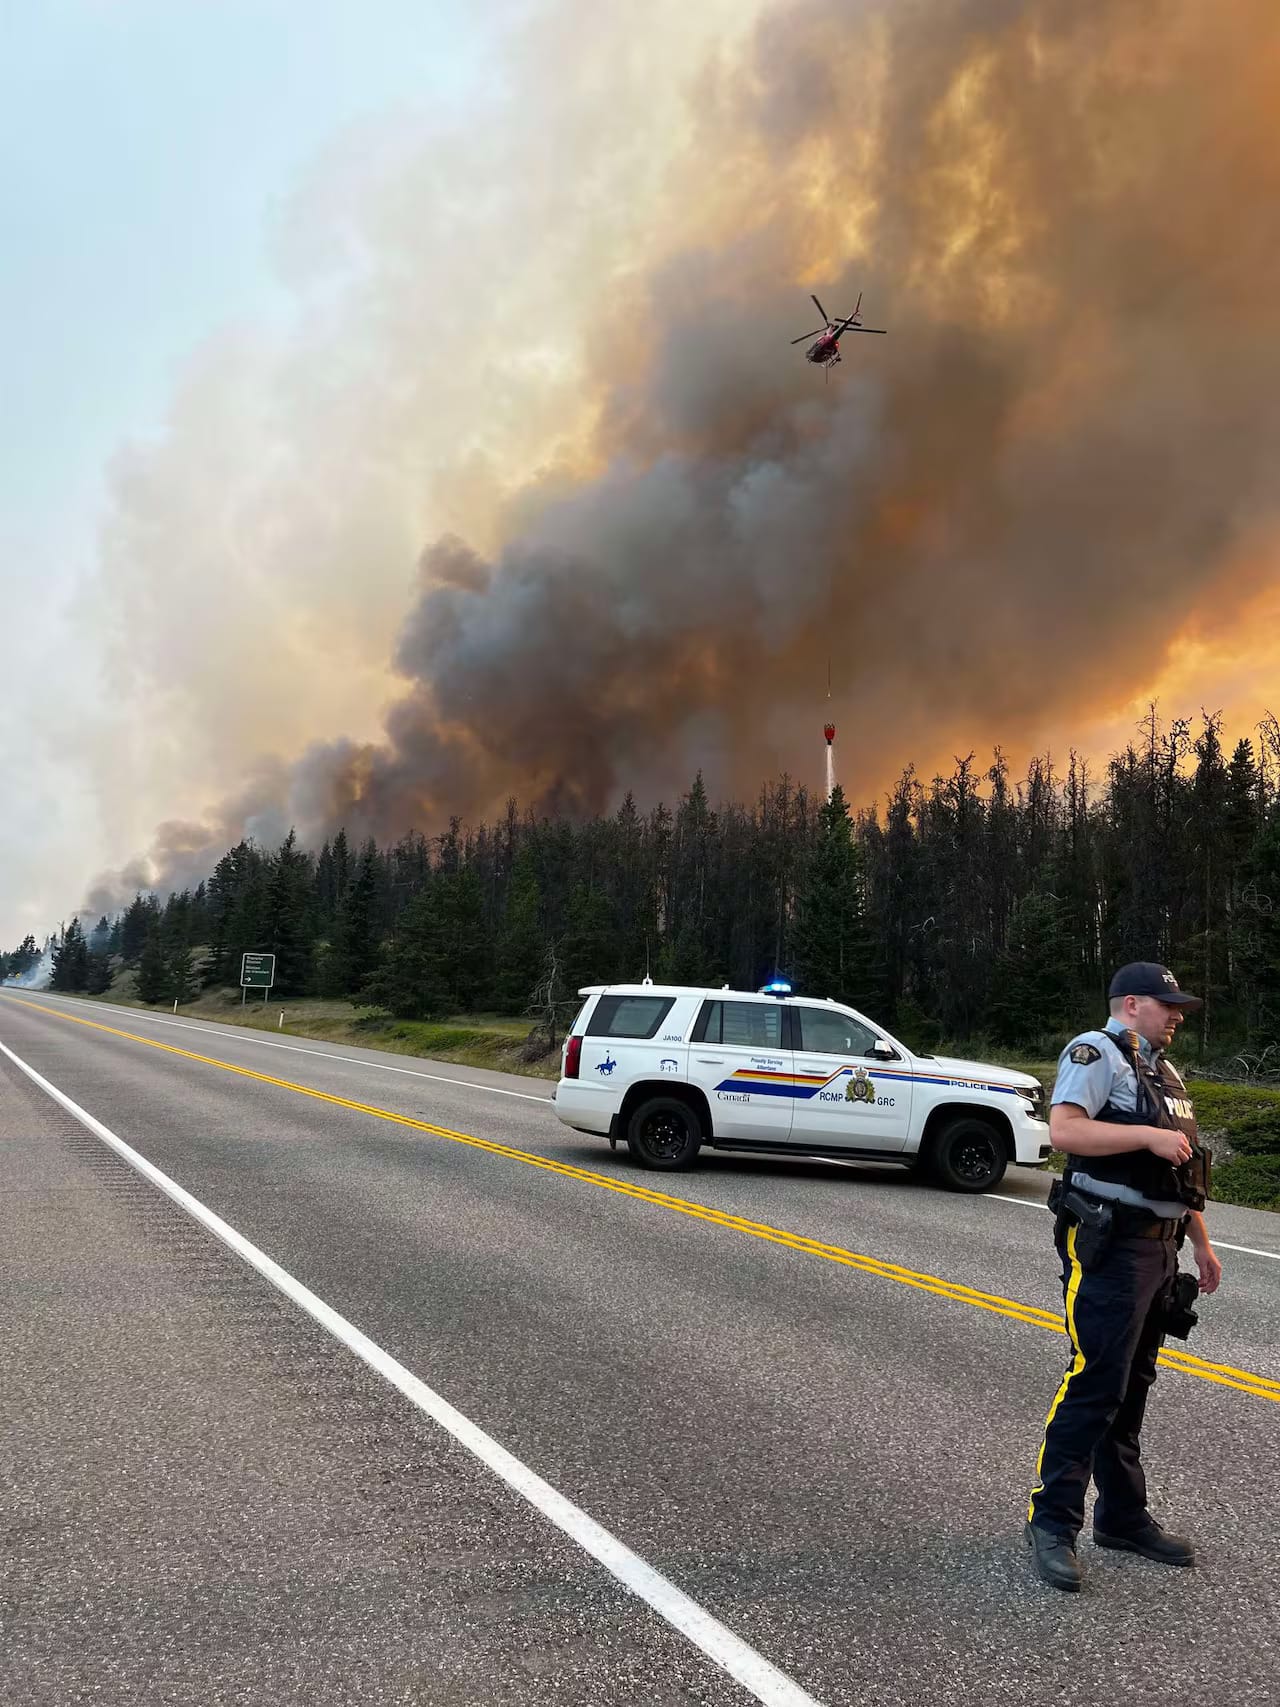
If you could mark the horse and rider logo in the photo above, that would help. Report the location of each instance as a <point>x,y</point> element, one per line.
<point>607,1065</point>
<point>860,1088</point>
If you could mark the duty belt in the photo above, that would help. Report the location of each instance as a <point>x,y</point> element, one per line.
<point>1110,1219</point>
<point>1144,1227</point>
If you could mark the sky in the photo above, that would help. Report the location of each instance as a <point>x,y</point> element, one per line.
<point>146,150</point>
<point>402,411</point>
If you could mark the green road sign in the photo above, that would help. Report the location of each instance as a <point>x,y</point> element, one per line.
<point>258,971</point>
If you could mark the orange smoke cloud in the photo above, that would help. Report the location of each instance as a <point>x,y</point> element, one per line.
<point>1011,520</point>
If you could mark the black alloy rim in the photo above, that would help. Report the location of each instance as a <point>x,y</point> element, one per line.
<point>976,1159</point>
<point>663,1135</point>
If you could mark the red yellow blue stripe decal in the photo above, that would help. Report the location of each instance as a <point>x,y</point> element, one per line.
<point>802,1087</point>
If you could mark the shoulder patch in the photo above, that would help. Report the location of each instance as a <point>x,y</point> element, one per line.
<point>1084,1054</point>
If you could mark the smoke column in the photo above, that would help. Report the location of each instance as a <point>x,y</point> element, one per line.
<point>1010,513</point>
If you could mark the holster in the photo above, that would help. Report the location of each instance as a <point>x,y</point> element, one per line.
<point>1179,1317</point>
<point>1092,1220</point>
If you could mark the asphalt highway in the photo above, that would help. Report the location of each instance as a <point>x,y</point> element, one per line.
<point>762,1431</point>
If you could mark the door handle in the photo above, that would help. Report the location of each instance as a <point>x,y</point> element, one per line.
<point>711,1060</point>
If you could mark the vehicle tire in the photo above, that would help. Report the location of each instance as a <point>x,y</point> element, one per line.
<point>970,1155</point>
<point>664,1133</point>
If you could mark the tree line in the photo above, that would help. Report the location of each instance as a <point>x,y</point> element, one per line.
<point>974,905</point>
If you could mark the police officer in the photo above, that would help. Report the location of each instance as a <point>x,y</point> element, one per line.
<point>1132,1192</point>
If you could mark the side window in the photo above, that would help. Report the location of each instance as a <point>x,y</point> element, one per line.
<point>829,1033</point>
<point>629,1016</point>
<point>746,1025</point>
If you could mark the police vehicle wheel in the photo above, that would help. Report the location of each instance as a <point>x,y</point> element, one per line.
<point>664,1133</point>
<point>970,1156</point>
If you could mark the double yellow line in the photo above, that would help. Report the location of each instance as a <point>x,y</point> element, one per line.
<point>1223,1374</point>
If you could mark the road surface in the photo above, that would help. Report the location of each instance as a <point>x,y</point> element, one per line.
<point>762,1431</point>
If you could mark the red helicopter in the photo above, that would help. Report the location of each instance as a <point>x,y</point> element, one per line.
<point>826,351</point>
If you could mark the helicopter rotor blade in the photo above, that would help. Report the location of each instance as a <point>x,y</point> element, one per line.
<point>880,331</point>
<point>801,340</point>
<point>821,310</point>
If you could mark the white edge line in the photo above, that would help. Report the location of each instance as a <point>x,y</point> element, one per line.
<point>232,1034</point>
<point>1218,1244</point>
<point>755,1673</point>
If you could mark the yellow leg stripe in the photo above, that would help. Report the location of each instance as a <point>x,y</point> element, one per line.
<point>1077,1364</point>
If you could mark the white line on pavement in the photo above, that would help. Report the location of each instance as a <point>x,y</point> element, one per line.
<point>1038,1203</point>
<point>755,1673</point>
<point>1218,1244</point>
<point>232,1034</point>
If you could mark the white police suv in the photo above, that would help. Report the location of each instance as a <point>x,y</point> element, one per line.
<point>671,1068</point>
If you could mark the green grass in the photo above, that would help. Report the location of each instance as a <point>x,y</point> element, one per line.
<point>1241,1122</point>
<point>495,1041</point>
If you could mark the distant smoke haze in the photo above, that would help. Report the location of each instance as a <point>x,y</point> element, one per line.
<point>548,363</point>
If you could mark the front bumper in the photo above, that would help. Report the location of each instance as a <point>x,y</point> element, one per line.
<point>1031,1141</point>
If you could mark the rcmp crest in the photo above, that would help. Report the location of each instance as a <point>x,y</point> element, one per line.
<point>860,1088</point>
<point>1085,1054</point>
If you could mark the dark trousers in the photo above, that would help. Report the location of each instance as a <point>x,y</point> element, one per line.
<point>1115,1321</point>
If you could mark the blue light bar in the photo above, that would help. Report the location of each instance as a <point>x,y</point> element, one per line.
<point>778,987</point>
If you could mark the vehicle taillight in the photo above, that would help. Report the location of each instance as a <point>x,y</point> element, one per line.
<point>572,1056</point>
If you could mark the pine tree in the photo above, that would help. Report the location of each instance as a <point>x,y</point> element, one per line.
<point>412,979</point>
<point>71,960</point>
<point>288,921</point>
<point>24,957</point>
<point>1032,994</point>
<point>198,923</point>
<point>522,944</point>
<point>354,953</point>
<point>238,901</point>
<point>154,967</point>
<point>139,917</point>
<point>1204,937</point>
<point>99,978</point>
<point>590,947</point>
<point>1258,933</point>
<point>833,954</point>
<point>180,983</point>
<point>465,944</point>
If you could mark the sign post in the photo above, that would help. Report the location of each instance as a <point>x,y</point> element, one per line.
<point>257,972</point>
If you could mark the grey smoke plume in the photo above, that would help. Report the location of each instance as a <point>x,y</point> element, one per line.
<point>994,521</point>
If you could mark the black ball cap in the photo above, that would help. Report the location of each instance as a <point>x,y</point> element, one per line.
<point>1149,978</point>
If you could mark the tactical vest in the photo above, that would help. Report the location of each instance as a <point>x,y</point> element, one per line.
<point>1162,1101</point>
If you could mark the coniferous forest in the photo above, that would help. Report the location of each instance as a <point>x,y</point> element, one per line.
<point>977,905</point>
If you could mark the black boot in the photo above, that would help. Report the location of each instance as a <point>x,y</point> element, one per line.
<point>1152,1542</point>
<point>1055,1558</point>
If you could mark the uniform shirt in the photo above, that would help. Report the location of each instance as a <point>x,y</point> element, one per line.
<point>1092,1083</point>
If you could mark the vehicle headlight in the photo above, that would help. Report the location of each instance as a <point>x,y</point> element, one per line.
<point>1034,1094</point>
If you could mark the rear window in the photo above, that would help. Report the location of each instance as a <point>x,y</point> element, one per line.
<point>748,1025</point>
<point>629,1016</point>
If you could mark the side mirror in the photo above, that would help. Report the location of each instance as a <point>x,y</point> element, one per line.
<point>883,1051</point>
